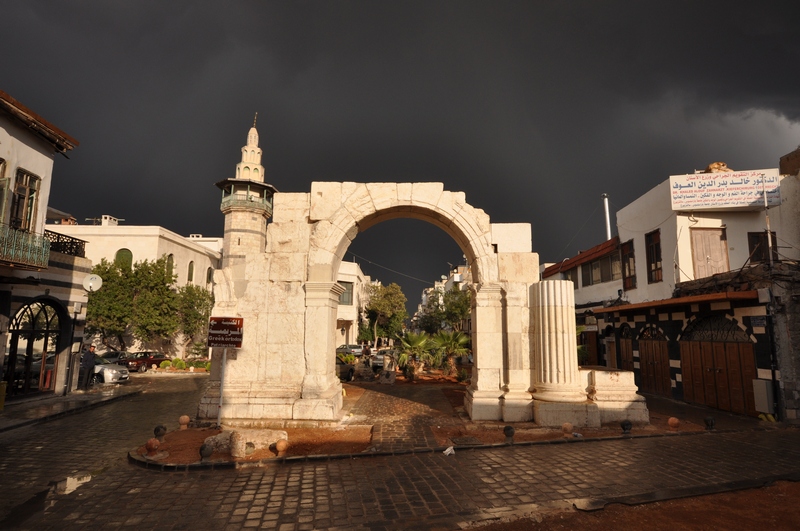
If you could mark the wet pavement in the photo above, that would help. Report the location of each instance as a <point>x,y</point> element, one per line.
<point>421,490</point>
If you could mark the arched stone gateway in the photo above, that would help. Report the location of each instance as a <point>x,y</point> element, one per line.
<point>284,286</point>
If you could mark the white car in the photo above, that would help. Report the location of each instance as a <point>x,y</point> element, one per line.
<point>107,372</point>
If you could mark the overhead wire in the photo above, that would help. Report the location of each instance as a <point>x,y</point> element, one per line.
<point>428,282</point>
<point>578,232</point>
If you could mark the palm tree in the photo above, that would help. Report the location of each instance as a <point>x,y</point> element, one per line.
<point>414,350</point>
<point>451,344</point>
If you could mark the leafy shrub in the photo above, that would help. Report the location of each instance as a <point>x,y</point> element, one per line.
<point>175,361</point>
<point>180,365</point>
<point>165,364</point>
<point>208,365</point>
<point>347,358</point>
<point>462,375</point>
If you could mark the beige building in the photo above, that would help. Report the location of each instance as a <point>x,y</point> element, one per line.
<point>352,302</point>
<point>194,259</point>
<point>42,300</point>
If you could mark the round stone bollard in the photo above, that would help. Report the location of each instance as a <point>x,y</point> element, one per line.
<point>184,421</point>
<point>238,445</point>
<point>281,446</point>
<point>673,423</point>
<point>159,432</point>
<point>567,429</point>
<point>205,451</point>
<point>152,446</point>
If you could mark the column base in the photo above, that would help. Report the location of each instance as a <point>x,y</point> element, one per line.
<point>584,414</point>
<point>482,405</point>
<point>517,407</point>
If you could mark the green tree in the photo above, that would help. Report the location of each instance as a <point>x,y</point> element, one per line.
<point>109,311</point>
<point>451,344</point>
<point>155,301</point>
<point>387,309</point>
<point>194,307</point>
<point>457,307</point>
<point>433,315</point>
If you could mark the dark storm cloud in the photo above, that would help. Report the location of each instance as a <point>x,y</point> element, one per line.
<point>533,109</point>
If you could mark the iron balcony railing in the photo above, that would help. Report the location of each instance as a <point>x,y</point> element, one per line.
<point>22,248</point>
<point>61,243</point>
<point>252,203</point>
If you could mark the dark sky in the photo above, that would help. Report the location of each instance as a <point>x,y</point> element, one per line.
<point>533,108</point>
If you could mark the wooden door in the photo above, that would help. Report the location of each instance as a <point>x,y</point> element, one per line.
<point>719,375</point>
<point>654,365</point>
<point>626,353</point>
<point>709,252</point>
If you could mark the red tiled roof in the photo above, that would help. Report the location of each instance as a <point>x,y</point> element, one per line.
<point>598,251</point>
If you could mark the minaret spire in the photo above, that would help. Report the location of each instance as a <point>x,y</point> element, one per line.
<point>255,118</point>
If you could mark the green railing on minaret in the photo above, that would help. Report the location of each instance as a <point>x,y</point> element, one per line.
<point>251,202</point>
<point>23,248</point>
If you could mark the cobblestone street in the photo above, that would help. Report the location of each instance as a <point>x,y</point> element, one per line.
<point>414,491</point>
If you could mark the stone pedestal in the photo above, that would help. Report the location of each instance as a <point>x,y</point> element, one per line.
<point>615,394</point>
<point>554,414</point>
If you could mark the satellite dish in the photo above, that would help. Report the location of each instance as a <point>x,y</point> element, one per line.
<point>92,283</point>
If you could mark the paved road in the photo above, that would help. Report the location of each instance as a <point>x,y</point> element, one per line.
<point>415,491</point>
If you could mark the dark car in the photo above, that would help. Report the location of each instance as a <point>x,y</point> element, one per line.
<point>141,361</point>
<point>345,371</point>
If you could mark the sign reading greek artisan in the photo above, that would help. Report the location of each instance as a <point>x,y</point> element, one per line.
<point>743,190</point>
<point>225,332</point>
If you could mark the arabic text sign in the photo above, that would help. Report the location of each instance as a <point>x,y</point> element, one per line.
<point>738,189</point>
<point>225,332</point>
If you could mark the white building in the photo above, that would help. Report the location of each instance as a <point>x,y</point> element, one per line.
<point>42,301</point>
<point>352,301</point>
<point>194,259</point>
<point>695,294</point>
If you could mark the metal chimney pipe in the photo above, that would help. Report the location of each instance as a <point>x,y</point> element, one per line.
<point>608,217</point>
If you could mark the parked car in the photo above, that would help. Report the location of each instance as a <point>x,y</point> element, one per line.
<point>141,361</point>
<point>350,349</point>
<point>345,371</point>
<point>112,356</point>
<point>107,372</point>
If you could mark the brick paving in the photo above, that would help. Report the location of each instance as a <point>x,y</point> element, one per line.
<point>402,415</point>
<point>413,491</point>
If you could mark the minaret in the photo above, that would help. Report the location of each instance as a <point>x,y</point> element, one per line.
<point>247,205</point>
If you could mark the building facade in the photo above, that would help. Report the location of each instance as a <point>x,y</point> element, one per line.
<point>42,300</point>
<point>697,295</point>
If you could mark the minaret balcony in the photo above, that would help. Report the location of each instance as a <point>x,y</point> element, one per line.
<point>241,202</point>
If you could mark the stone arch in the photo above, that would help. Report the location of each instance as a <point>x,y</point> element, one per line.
<point>363,205</point>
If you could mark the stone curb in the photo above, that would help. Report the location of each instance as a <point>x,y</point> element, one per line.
<point>72,411</point>
<point>138,460</point>
<point>596,504</point>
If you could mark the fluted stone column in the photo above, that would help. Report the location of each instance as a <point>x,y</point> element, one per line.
<point>556,376</point>
<point>482,400</point>
<point>321,394</point>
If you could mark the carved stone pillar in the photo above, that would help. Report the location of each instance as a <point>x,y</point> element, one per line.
<point>516,402</point>
<point>322,392</point>
<point>482,400</point>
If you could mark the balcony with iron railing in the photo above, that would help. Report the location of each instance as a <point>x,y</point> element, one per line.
<point>61,243</point>
<point>23,249</point>
<point>26,250</point>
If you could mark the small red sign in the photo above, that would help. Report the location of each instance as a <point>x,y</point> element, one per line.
<point>225,332</point>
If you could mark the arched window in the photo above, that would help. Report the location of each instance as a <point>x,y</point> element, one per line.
<point>209,275</point>
<point>171,264</point>
<point>190,273</point>
<point>124,258</point>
